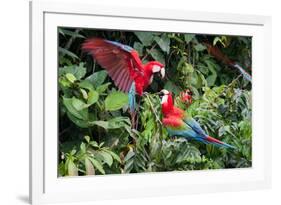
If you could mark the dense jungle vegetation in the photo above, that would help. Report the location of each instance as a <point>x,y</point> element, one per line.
<point>95,135</point>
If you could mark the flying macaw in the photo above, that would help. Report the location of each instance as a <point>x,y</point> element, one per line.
<point>217,53</point>
<point>179,123</point>
<point>124,67</point>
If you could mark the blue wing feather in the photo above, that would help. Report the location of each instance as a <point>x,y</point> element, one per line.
<point>121,46</point>
<point>185,131</point>
<point>191,129</point>
<point>132,97</point>
<point>195,126</point>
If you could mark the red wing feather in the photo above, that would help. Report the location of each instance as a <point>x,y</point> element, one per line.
<point>119,60</point>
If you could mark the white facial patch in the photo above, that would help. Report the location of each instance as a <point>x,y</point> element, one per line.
<point>165,92</point>
<point>164,99</point>
<point>162,71</point>
<point>151,79</point>
<point>156,68</point>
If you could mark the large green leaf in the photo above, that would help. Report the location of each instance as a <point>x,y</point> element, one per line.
<point>169,85</point>
<point>70,77</point>
<point>145,37</point>
<point>90,170</point>
<point>102,88</point>
<point>129,161</point>
<point>188,37</point>
<point>78,71</point>
<point>129,155</point>
<point>157,55</point>
<point>114,123</point>
<point>78,104</point>
<point>139,48</point>
<point>163,42</point>
<point>100,123</point>
<point>63,51</point>
<point>93,97</point>
<point>107,158</point>
<point>97,78</point>
<point>115,156</point>
<point>97,165</point>
<point>115,101</point>
<point>77,121</point>
<point>72,169</point>
<point>211,79</point>
<point>86,84</point>
<point>118,122</point>
<point>199,47</point>
<point>75,107</point>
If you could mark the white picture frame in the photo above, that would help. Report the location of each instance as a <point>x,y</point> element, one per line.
<point>46,187</point>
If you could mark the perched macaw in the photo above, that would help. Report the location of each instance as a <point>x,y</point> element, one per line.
<point>124,66</point>
<point>179,123</point>
<point>186,97</point>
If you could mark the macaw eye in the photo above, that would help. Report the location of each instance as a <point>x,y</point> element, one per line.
<point>161,95</point>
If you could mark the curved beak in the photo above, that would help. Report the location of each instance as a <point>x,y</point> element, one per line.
<point>160,94</point>
<point>162,72</point>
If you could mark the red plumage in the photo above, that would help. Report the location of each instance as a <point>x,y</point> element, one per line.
<point>172,121</point>
<point>179,123</point>
<point>213,140</point>
<point>216,52</point>
<point>186,97</point>
<point>168,108</point>
<point>122,63</point>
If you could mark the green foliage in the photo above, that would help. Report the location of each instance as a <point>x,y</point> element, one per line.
<point>115,101</point>
<point>89,158</point>
<point>95,134</point>
<point>97,78</point>
<point>225,112</point>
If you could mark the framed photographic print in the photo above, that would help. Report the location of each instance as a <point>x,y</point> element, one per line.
<point>133,102</point>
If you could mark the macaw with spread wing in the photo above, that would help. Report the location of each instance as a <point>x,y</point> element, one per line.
<point>179,123</point>
<point>124,67</point>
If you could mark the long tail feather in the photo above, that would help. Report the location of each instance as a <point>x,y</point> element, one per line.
<point>243,72</point>
<point>217,142</point>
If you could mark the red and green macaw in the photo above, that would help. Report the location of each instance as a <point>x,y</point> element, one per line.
<point>186,97</point>
<point>179,123</point>
<point>124,66</point>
